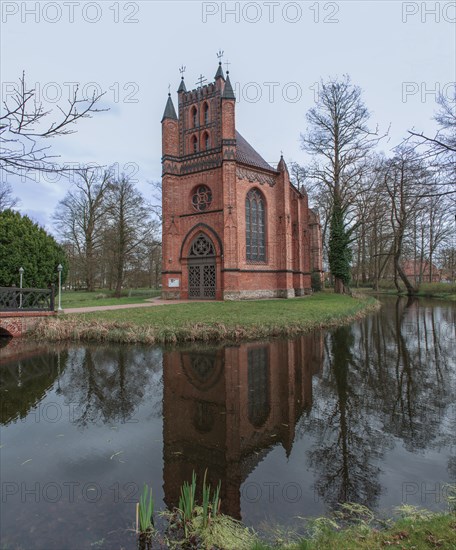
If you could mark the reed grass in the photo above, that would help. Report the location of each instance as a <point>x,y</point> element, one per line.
<point>206,498</point>
<point>210,507</point>
<point>145,510</point>
<point>215,508</point>
<point>187,502</point>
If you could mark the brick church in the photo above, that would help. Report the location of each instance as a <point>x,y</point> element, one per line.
<point>234,227</point>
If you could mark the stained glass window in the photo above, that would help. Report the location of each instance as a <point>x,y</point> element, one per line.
<point>202,198</point>
<point>255,226</point>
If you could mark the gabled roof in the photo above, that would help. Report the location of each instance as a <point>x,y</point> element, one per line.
<point>246,154</point>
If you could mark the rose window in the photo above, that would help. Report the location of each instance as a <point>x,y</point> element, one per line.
<point>202,198</point>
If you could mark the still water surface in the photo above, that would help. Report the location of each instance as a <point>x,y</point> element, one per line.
<point>364,413</point>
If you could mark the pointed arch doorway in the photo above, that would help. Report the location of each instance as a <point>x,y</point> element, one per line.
<point>202,273</point>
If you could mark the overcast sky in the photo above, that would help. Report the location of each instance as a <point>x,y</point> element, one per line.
<point>399,53</point>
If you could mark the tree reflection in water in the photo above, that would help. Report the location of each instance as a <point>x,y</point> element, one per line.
<point>107,384</point>
<point>387,379</point>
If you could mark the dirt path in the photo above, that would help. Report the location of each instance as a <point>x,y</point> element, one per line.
<point>149,303</point>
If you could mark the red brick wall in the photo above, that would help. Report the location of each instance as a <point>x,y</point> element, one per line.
<point>17,324</point>
<point>289,238</point>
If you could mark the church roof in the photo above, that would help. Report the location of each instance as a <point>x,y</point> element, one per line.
<point>246,154</point>
<point>170,111</point>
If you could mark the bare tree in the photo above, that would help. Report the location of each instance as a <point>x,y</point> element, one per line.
<point>405,178</point>
<point>156,206</point>
<point>340,140</point>
<point>440,150</point>
<point>79,217</point>
<point>25,124</point>
<point>7,199</point>
<point>444,141</point>
<point>130,225</point>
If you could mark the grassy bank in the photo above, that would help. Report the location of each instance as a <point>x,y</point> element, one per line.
<point>200,524</point>
<point>446,291</point>
<point>104,297</point>
<point>443,291</point>
<point>422,531</point>
<point>436,531</point>
<point>211,321</point>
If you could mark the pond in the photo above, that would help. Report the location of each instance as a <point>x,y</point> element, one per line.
<point>364,413</point>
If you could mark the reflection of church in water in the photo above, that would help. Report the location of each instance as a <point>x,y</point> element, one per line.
<point>225,409</point>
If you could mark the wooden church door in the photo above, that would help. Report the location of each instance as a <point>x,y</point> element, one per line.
<point>202,280</point>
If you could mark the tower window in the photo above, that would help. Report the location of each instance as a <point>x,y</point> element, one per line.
<point>194,117</point>
<point>194,144</point>
<point>255,226</point>
<point>207,141</point>
<point>206,113</point>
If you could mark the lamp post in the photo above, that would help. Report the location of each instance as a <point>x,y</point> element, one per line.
<point>59,269</point>
<point>21,272</point>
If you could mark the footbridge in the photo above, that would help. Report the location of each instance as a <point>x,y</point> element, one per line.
<point>22,308</point>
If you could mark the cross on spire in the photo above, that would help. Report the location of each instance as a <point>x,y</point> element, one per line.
<point>169,89</point>
<point>201,81</point>
<point>227,64</point>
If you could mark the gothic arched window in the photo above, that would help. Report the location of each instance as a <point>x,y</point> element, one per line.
<point>255,221</point>
<point>194,144</point>
<point>207,141</point>
<point>206,113</point>
<point>194,117</point>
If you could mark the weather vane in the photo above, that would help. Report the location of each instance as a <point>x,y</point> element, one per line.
<point>220,54</point>
<point>182,70</point>
<point>169,89</point>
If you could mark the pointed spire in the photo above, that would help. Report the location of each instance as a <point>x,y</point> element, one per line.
<point>182,87</point>
<point>170,112</point>
<point>228,92</point>
<point>219,73</point>
<point>282,166</point>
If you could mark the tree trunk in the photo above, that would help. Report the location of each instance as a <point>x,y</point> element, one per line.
<point>411,290</point>
<point>339,287</point>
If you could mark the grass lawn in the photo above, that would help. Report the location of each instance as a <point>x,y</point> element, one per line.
<point>208,321</point>
<point>72,298</point>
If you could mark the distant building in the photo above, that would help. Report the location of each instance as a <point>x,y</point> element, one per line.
<point>234,227</point>
<point>421,272</point>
